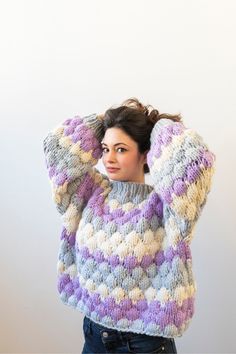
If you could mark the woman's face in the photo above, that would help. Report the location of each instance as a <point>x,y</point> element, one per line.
<point>120,152</point>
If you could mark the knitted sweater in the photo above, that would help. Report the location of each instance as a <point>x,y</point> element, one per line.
<point>124,257</point>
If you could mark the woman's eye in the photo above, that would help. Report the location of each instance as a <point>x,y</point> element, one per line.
<point>120,148</point>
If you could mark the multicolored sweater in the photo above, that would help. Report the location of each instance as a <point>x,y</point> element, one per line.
<point>124,257</point>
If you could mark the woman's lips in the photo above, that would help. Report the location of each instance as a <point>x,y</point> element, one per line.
<point>112,169</point>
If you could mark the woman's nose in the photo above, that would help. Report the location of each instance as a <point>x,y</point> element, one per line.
<point>111,156</point>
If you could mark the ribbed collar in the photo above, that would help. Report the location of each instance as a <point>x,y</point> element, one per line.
<point>129,190</point>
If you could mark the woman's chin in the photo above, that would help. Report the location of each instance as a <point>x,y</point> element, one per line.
<point>115,178</point>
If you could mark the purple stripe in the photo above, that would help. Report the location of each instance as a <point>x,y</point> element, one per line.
<point>179,187</point>
<point>67,121</point>
<point>73,121</point>
<point>97,153</point>
<point>208,159</point>
<point>85,135</point>
<point>163,138</point>
<point>166,196</point>
<point>52,171</point>
<point>61,178</point>
<point>193,173</point>
<point>70,237</point>
<point>77,120</point>
<point>68,130</point>
<point>153,207</point>
<point>85,188</point>
<point>77,131</point>
<point>71,124</point>
<point>130,262</point>
<point>78,134</point>
<point>153,312</point>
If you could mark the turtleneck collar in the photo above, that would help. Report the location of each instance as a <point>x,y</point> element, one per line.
<point>126,190</point>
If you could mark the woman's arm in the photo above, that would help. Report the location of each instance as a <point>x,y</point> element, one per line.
<point>181,167</point>
<point>71,150</point>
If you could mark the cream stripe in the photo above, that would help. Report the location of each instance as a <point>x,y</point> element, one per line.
<point>74,148</point>
<point>187,205</point>
<point>164,295</point>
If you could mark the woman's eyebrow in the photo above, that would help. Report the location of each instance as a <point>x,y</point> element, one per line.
<point>115,144</point>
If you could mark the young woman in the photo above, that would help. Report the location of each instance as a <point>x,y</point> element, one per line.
<point>124,259</point>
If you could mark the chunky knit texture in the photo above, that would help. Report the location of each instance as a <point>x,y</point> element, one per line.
<point>124,258</point>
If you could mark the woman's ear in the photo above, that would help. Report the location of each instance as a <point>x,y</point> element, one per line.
<point>145,156</point>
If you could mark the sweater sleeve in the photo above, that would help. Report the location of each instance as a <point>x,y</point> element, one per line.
<point>181,167</point>
<point>71,150</point>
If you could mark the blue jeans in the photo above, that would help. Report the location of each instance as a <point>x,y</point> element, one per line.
<point>99,339</point>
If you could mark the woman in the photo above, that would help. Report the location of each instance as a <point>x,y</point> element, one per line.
<point>125,259</point>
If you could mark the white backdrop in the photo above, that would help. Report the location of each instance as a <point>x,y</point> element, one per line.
<point>62,58</point>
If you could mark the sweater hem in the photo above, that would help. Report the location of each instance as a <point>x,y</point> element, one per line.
<point>177,334</point>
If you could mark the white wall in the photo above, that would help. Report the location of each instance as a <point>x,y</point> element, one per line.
<point>61,58</point>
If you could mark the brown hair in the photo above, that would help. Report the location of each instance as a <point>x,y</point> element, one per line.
<point>136,120</point>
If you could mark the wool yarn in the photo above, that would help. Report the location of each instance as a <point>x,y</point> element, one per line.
<point>124,257</point>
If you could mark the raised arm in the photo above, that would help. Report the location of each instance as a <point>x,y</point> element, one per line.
<point>71,150</point>
<point>181,167</point>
